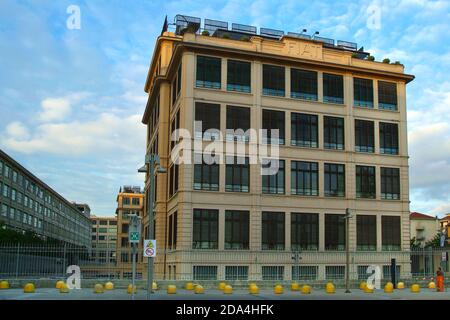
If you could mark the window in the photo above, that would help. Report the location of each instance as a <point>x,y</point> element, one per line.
<point>273,230</point>
<point>209,116</point>
<point>387,95</point>
<point>366,232</point>
<point>237,174</point>
<point>390,233</point>
<point>237,229</point>
<point>333,88</point>
<point>387,271</point>
<point>125,201</point>
<point>173,183</point>
<point>303,84</point>
<point>365,182</point>
<point>205,272</point>
<point>102,230</point>
<point>172,238</point>
<point>333,133</point>
<point>236,273</point>
<point>304,178</point>
<point>206,176</point>
<point>364,138</point>
<point>135,201</point>
<point>124,241</point>
<point>390,183</point>
<point>175,124</point>
<point>304,132</point>
<point>208,72</point>
<point>102,238</point>
<point>362,273</point>
<point>304,272</point>
<point>238,76</point>
<point>334,232</point>
<point>238,122</point>
<point>5,191</point>
<point>334,272</point>
<point>363,92</point>
<point>272,273</point>
<point>205,229</point>
<point>388,138</point>
<point>304,231</point>
<point>273,120</point>
<point>273,80</point>
<point>4,210</point>
<point>125,228</point>
<point>334,180</point>
<point>273,183</point>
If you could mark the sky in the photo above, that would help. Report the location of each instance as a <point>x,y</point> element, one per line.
<point>72,99</point>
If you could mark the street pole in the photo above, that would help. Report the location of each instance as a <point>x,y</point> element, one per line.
<point>150,233</point>
<point>347,250</point>
<point>133,246</point>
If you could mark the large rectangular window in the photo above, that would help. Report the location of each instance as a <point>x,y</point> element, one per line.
<point>209,115</point>
<point>333,88</point>
<point>172,232</point>
<point>237,174</point>
<point>304,272</point>
<point>273,183</point>
<point>238,122</point>
<point>273,120</point>
<point>390,183</point>
<point>303,84</point>
<point>273,230</point>
<point>304,130</point>
<point>366,232</point>
<point>390,233</point>
<point>237,229</point>
<point>273,80</point>
<point>238,76</point>
<point>208,72</point>
<point>388,138</point>
<point>334,180</point>
<point>364,136</point>
<point>272,273</point>
<point>334,232</point>
<point>387,95</point>
<point>204,272</point>
<point>363,92</point>
<point>304,231</point>
<point>206,176</point>
<point>304,178</point>
<point>173,176</point>
<point>233,273</point>
<point>333,129</point>
<point>205,229</point>
<point>365,182</point>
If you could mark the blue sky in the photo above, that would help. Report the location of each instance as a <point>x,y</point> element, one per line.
<point>71,100</point>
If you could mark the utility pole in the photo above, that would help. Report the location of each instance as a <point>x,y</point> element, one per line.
<point>348,215</point>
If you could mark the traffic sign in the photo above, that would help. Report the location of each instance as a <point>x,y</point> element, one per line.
<point>149,248</point>
<point>134,230</point>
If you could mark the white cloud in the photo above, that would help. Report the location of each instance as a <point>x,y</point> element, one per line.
<point>54,109</point>
<point>17,130</point>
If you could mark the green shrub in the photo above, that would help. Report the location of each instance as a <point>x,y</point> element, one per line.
<point>386,60</point>
<point>371,58</point>
<point>205,33</point>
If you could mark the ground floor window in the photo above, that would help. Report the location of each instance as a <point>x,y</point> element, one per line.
<point>304,272</point>
<point>334,272</point>
<point>387,272</point>
<point>205,272</point>
<point>362,273</point>
<point>272,273</point>
<point>236,272</point>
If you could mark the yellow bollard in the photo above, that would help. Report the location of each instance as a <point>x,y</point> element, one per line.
<point>389,287</point>
<point>432,285</point>
<point>130,289</point>
<point>362,285</point>
<point>222,285</point>
<point>171,289</point>
<point>199,289</point>
<point>306,289</point>
<point>154,286</point>
<point>400,285</point>
<point>228,289</point>
<point>4,284</point>
<point>278,289</point>
<point>295,286</point>
<point>109,285</point>
<point>415,288</point>
<point>253,289</point>
<point>29,288</point>
<point>98,288</point>
<point>368,290</point>
<point>189,286</point>
<point>59,284</point>
<point>63,288</point>
<point>330,288</point>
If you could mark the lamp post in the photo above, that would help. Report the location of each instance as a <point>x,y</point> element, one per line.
<point>348,215</point>
<point>151,161</point>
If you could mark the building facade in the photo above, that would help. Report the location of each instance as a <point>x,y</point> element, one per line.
<point>423,228</point>
<point>28,204</point>
<point>104,239</point>
<point>342,144</point>
<point>130,201</point>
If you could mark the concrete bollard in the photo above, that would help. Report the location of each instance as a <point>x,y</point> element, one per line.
<point>228,289</point>
<point>253,289</point>
<point>109,285</point>
<point>400,285</point>
<point>59,284</point>
<point>29,288</point>
<point>367,289</point>
<point>130,289</point>
<point>389,287</point>
<point>98,288</point>
<point>278,289</point>
<point>171,289</point>
<point>4,285</point>
<point>306,289</point>
<point>415,288</point>
<point>362,285</point>
<point>198,289</point>
<point>330,289</point>
<point>431,285</point>
<point>189,286</point>
<point>63,288</point>
<point>154,286</point>
<point>295,286</point>
<point>222,285</point>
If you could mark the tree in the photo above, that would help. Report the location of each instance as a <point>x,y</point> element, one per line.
<point>435,242</point>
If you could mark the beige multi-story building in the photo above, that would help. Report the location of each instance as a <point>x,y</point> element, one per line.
<point>104,239</point>
<point>130,201</point>
<point>342,144</point>
<point>424,228</point>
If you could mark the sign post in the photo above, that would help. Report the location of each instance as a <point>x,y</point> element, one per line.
<point>134,236</point>
<point>149,249</point>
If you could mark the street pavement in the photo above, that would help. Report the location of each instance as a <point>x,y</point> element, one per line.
<point>121,294</point>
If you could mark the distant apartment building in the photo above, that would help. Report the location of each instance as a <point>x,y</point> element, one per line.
<point>104,239</point>
<point>445,226</point>
<point>29,204</point>
<point>342,144</point>
<point>423,228</point>
<point>130,201</point>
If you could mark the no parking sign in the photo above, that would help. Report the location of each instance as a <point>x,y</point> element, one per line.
<point>149,248</point>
